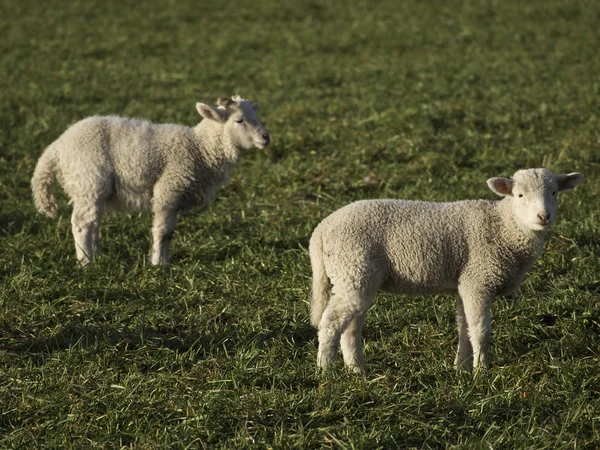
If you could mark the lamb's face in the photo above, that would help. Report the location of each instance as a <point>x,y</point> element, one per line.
<point>241,127</point>
<point>244,128</point>
<point>534,198</point>
<point>533,194</point>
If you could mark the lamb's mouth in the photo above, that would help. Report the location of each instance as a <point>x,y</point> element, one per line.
<point>262,144</point>
<point>544,225</point>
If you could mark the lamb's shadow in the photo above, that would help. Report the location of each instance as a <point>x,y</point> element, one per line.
<point>93,338</point>
<point>218,335</point>
<point>590,287</point>
<point>11,224</point>
<point>296,243</point>
<point>591,239</point>
<point>235,249</point>
<point>549,329</point>
<point>87,336</point>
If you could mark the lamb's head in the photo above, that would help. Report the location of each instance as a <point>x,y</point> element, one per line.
<point>240,124</point>
<point>532,193</point>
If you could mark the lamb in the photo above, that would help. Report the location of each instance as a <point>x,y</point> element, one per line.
<point>479,248</point>
<point>130,165</point>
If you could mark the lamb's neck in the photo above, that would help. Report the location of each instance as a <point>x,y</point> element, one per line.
<point>217,147</point>
<point>524,241</point>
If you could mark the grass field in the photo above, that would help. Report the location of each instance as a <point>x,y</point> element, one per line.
<point>412,99</point>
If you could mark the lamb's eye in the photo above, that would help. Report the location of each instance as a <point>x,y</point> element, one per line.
<point>554,193</point>
<point>239,121</point>
<point>520,195</point>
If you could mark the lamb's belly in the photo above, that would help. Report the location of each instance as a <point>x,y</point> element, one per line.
<point>422,286</point>
<point>131,199</point>
<point>421,276</point>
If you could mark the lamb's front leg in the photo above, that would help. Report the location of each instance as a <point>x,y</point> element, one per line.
<point>464,354</point>
<point>163,227</point>
<point>477,306</point>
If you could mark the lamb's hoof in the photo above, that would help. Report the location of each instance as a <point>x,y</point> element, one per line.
<point>158,261</point>
<point>357,369</point>
<point>465,365</point>
<point>480,371</point>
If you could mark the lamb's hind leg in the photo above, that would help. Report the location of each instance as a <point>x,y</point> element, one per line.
<point>342,310</point>
<point>85,222</point>
<point>351,343</point>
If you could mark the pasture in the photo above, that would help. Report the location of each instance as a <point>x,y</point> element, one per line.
<point>387,99</point>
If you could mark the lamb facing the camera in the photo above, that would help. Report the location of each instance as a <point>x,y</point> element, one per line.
<point>132,165</point>
<point>479,248</point>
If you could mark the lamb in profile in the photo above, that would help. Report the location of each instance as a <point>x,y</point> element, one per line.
<point>479,248</point>
<point>117,163</point>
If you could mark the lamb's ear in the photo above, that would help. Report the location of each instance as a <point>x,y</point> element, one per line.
<point>255,106</point>
<point>501,186</point>
<point>208,112</point>
<point>568,181</point>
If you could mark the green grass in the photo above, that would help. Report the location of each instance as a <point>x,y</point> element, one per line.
<point>412,99</point>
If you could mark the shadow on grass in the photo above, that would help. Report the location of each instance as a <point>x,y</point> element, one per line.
<point>590,287</point>
<point>219,336</point>
<point>586,239</point>
<point>294,243</point>
<point>14,223</point>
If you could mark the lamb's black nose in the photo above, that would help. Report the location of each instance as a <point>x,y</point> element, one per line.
<point>266,137</point>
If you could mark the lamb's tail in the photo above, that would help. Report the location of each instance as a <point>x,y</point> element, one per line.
<point>41,183</point>
<point>320,282</point>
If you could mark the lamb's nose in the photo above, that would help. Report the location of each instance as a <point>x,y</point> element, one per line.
<point>544,217</point>
<point>266,136</point>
